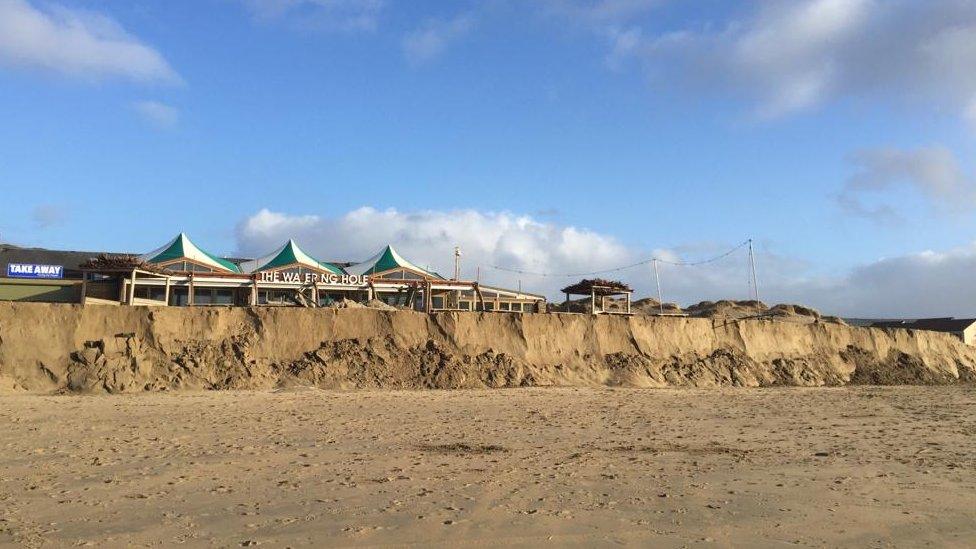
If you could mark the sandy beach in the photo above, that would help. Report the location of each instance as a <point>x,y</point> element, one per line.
<point>853,466</point>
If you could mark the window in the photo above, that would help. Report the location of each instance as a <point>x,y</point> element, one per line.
<point>223,297</point>
<point>179,297</point>
<point>154,293</point>
<point>464,305</point>
<point>437,302</point>
<point>327,299</point>
<point>178,267</point>
<point>275,297</point>
<point>202,296</point>
<point>517,307</point>
<point>489,306</point>
<point>199,268</point>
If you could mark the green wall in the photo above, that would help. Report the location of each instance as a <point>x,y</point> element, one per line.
<point>57,292</point>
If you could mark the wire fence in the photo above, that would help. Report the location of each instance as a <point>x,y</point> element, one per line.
<point>648,261</point>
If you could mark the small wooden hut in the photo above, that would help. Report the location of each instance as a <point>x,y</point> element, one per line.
<point>599,288</point>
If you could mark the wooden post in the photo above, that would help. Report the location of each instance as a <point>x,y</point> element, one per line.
<point>254,290</point>
<point>315,294</point>
<point>593,301</point>
<point>481,298</point>
<point>132,288</point>
<point>122,290</point>
<point>189,295</point>
<point>166,292</point>
<point>628,302</point>
<point>84,288</point>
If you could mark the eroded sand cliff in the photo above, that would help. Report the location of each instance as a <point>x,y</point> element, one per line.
<point>50,348</point>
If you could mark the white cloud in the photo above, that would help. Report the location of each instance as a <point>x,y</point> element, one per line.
<point>78,43</point>
<point>933,172</point>
<point>624,42</point>
<point>917,285</point>
<point>159,115</point>
<point>428,239</point>
<point>797,54</point>
<point>923,284</point>
<point>611,20</point>
<point>432,39</point>
<point>345,15</point>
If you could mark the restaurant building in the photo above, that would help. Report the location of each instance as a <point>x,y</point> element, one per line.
<point>180,273</point>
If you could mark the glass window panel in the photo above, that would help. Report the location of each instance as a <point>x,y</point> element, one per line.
<point>202,296</point>
<point>224,297</point>
<point>178,297</point>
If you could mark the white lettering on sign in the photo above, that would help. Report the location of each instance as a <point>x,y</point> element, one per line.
<point>312,278</point>
<point>31,270</point>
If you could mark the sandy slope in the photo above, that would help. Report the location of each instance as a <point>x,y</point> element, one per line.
<point>46,348</point>
<point>864,467</point>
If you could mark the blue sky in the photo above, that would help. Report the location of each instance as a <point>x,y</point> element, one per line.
<point>568,135</point>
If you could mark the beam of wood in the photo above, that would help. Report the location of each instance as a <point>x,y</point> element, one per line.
<point>132,288</point>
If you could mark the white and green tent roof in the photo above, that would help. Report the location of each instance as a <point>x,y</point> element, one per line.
<point>288,254</point>
<point>182,247</point>
<point>387,260</point>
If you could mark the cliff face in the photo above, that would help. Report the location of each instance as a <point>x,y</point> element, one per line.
<point>45,348</point>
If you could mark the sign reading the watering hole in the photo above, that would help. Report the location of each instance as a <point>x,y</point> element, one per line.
<point>331,279</point>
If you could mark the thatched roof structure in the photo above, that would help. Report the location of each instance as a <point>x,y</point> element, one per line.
<point>597,286</point>
<point>117,263</point>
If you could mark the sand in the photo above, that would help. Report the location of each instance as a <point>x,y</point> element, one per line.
<point>775,467</point>
<point>69,348</point>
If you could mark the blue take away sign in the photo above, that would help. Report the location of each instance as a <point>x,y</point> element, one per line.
<point>33,270</point>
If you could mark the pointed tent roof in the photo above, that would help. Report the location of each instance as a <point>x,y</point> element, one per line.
<point>288,254</point>
<point>387,260</point>
<point>182,247</point>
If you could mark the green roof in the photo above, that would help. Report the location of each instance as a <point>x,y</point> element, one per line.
<point>289,254</point>
<point>182,247</point>
<point>388,260</point>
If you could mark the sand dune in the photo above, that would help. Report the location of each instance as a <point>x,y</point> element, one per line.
<point>860,467</point>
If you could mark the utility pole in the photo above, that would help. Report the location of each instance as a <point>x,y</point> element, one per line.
<point>457,263</point>
<point>752,267</point>
<point>657,280</point>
